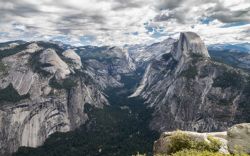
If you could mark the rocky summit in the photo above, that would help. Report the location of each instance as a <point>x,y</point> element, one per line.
<point>188,90</point>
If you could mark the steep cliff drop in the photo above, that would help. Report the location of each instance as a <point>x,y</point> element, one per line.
<point>42,92</point>
<point>189,91</point>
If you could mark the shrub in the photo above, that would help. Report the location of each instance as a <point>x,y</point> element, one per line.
<point>9,94</point>
<point>2,67</point>
<point>197,153</point>
<point>247,87</point>
<point>228,79</point>
<point>180,141</point>
<point>12,51</point>
<point>196,58</point>
<point>214,144</point>
<point>67,83</point>
<point>225,102</point>
<point>193,152</point>
<point>167,56</point>
<point>36,65</point>
<point>190,73</point>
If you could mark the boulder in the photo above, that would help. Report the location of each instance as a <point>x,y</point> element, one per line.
<point>162,145</point>
<point>239,138</point>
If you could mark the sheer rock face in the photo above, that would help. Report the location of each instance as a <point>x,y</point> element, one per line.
<point>189,43</point>
<point>143,54</point>
<point>43,108</point>
<point>54,64</point>
<point>189,91</point>
<point>108,64</point>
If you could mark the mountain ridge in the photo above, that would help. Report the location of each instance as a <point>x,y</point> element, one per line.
<point>180,83</point>
<point>188,93</point>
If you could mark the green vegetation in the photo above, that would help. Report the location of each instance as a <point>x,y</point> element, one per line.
<point>12,51</point>
<point>120,129</point>
<point>229,58</point>
<point>247,88</point>
<point>9,94</point>
<point>190,73</point>
<point>244,105</point>
<point>180,141</point>
<point>196,153</point>
<point>225,102</point>
<point>167,56</point>
<point>54,46</point>
<point>181,144</point>
<point>36,65</point>
<point>202,153</point>
<point>196,58</point>
<point>67,83</point>
<point>110,131</point>
<point>228,79</point>
<point>2,67</point>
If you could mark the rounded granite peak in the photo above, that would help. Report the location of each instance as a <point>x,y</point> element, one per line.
<point>189,43</point>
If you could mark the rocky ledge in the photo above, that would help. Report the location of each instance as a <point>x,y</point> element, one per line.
<point>235,139</point>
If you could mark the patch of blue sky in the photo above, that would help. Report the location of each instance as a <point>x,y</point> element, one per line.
<point>135,33</point>
<point>3,34</point>
<point>155,31</point>
<point>206,20</point>
<point>87,39</point>
<point>234,24</point>
<point>61,38</point>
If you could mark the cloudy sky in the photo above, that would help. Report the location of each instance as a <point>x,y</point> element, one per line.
<point>118,22</point>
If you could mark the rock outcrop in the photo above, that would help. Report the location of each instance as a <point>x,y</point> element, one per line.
<point>107,64</point>
<point>162,145</point>
<point>189,43</point>
<point>53,64</point>
<point>234,140</point>
<point>74,58</point>
<point>239,138</point>
<point>40,95</point>
<point>189,91</point>
<point>143,54</point>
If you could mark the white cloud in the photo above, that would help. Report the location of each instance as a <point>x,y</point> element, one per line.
<point>118,22</point>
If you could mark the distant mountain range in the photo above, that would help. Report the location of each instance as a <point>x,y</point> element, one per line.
<point>239,47</point>
<point>112,100</point>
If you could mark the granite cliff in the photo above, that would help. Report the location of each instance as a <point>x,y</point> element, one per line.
<point>189,91</point>
<point>42,90</point>
<point>47,88</point>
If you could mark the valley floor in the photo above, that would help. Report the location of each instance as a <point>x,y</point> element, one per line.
<point>120,129</point>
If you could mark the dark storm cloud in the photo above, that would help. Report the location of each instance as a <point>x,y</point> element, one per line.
<point>227,16</point>
<point>109,19</point>
<point>84,17</point>
<point>18,8</point>
<point>68,23</point>
<point>173,4</point>
<point>124,4</point>
<point>169,4</point>
<point>179,16</point>
<point>182,10</point>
